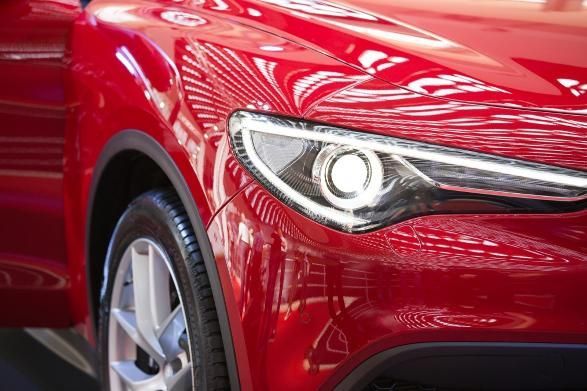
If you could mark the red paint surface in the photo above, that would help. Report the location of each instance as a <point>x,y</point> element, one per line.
<point>33,109</point>
<point>313,302</point>
<point>306,303</point>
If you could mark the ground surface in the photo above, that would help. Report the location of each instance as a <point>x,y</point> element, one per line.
<point>26,365</point>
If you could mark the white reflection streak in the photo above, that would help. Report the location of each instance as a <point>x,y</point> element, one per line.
<point>314,7</point>
<point>249,123</point>
<point>117,14</point>
<point>432,42</point>
<point>307,85</point>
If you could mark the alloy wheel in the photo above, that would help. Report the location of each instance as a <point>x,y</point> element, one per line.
<point>148,339</point>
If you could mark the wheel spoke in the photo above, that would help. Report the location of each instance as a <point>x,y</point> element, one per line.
<point>145,322</point>
<point>151,294</point>
<point>171,331</point>
<point>134,378</point>
<point>159,283</point>
<point>182,380</point>
<point>128,322</point>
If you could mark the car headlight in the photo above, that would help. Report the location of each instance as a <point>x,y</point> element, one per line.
<point>356,181</point>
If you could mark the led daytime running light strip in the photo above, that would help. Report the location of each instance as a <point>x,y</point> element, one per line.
<point>335,136</point>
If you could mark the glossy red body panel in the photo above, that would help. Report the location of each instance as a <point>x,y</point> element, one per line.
<point>33,108</point>
<point>306,303</point>
<point>313,302</point>
<point>453,51</point>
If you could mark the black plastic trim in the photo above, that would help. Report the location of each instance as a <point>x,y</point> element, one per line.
<point>134,140</point>
<point>477,365</point>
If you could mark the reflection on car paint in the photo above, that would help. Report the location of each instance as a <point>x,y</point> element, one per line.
<point>341,294</point>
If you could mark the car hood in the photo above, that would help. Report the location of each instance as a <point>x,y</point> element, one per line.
<point>529,54</point>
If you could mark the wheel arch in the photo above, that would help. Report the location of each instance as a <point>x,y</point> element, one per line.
<point>136,145</point>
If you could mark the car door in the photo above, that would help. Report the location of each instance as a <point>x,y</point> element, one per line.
<point>33,109</point>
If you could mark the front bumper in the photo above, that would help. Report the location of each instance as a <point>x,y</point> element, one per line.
<point>308,305</point>
<point>441,366</point>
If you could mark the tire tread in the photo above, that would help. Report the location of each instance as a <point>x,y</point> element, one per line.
<point>170,202</point>
<point>167,209</point>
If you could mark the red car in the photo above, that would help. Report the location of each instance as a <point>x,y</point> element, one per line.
<point>299,194</point>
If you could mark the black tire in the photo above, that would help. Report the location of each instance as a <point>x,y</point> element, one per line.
<point>160,216</point>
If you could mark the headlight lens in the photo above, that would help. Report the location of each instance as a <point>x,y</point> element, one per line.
<point>349,178</point>
<point>357,181</point>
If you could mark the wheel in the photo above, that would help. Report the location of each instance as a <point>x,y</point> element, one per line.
<point>158,328</point>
